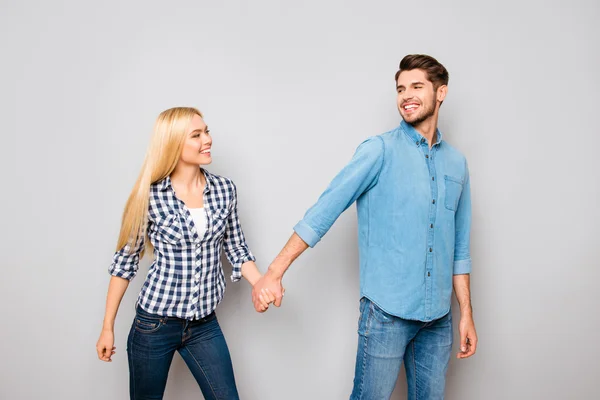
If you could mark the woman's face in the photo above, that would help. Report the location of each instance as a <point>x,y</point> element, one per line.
<point>197,145</point>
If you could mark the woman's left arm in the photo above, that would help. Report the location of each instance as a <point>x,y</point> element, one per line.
<point>239,255</point>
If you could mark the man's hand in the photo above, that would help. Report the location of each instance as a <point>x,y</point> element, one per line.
<point>468,337</point>
<point>271,283</point>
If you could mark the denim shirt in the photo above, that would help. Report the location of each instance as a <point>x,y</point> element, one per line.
<point>414,217</point>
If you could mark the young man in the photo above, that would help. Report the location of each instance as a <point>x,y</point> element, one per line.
<point>414,214</point>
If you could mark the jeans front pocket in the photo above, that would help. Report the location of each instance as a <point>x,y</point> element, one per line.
<point>147,323</point>
<point>381,316</point>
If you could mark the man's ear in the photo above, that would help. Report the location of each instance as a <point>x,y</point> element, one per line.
<point>441,93</point>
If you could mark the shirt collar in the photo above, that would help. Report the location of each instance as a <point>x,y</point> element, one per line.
<point>415,136</point>
<point>166,182</point>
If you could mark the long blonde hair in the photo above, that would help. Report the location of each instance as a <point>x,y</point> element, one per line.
<point>165,148</point>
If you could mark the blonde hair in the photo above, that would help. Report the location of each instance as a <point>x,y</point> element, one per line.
<point>162,156</point>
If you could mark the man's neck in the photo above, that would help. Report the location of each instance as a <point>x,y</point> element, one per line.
<point>428,129</point>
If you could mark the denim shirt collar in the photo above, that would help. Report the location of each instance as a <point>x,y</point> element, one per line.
<point>415,136</point>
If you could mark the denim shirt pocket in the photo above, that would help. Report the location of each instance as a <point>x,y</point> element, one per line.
<point>453,187</point>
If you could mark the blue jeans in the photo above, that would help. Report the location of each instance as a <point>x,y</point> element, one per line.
<point>385,341</point>
<point>152,342</point>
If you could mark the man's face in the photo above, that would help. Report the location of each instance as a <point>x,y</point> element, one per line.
<point>417,99</point>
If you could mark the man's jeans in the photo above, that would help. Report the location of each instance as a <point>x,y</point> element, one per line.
<point>385,341</point>
<point>152,343</point>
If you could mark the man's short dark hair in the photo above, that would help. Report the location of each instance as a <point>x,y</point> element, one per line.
<point>435,72</point>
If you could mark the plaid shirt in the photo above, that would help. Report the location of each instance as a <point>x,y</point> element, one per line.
<point>185,280</point>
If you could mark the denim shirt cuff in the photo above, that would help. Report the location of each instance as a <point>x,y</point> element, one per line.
<point>306,233</point>
<point>462,267</point>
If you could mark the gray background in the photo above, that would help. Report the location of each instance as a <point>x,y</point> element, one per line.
<point>289,90</point>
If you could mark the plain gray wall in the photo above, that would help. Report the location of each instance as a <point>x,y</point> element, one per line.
<point>289,90</point>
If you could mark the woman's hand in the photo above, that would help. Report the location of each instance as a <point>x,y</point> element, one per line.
<point>265,297</point>
<point>105,346</point>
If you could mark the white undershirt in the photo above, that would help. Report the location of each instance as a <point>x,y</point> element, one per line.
<point>199,220</point>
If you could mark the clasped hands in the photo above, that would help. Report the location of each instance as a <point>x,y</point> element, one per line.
<point>267,290</point>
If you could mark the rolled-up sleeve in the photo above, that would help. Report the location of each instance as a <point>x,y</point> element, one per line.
<point>234,242</point>
<point>357,177</point>
<point>125,261</point>
<point>462,252</point>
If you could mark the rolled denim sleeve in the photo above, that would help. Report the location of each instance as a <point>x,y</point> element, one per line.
<point>356,178</point>
<point>234,242</point>
<point>125,261</point>
<point>462,252</point>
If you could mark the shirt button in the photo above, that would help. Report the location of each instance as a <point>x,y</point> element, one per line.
<point>433,178</point>
<point>426,155</point>
<point>417,142</point>
<point>433,202</point>
<point>428,273</point>
<point>431,226</point>
<point>430,249</point>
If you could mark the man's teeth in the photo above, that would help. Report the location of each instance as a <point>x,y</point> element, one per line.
<point>205,151</point>
<point>410,106</point>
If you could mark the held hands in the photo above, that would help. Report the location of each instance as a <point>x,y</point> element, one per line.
<point>266,290</point>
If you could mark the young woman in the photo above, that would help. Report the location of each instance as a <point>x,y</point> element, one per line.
<point>186,215</point>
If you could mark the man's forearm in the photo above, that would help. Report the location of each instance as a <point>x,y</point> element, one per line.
<point>292,250</point>
<point>462,290</point>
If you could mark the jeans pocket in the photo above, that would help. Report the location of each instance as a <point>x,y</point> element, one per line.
<point>147,324</point>
<point>453,187</point>
<point>381,316</point>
